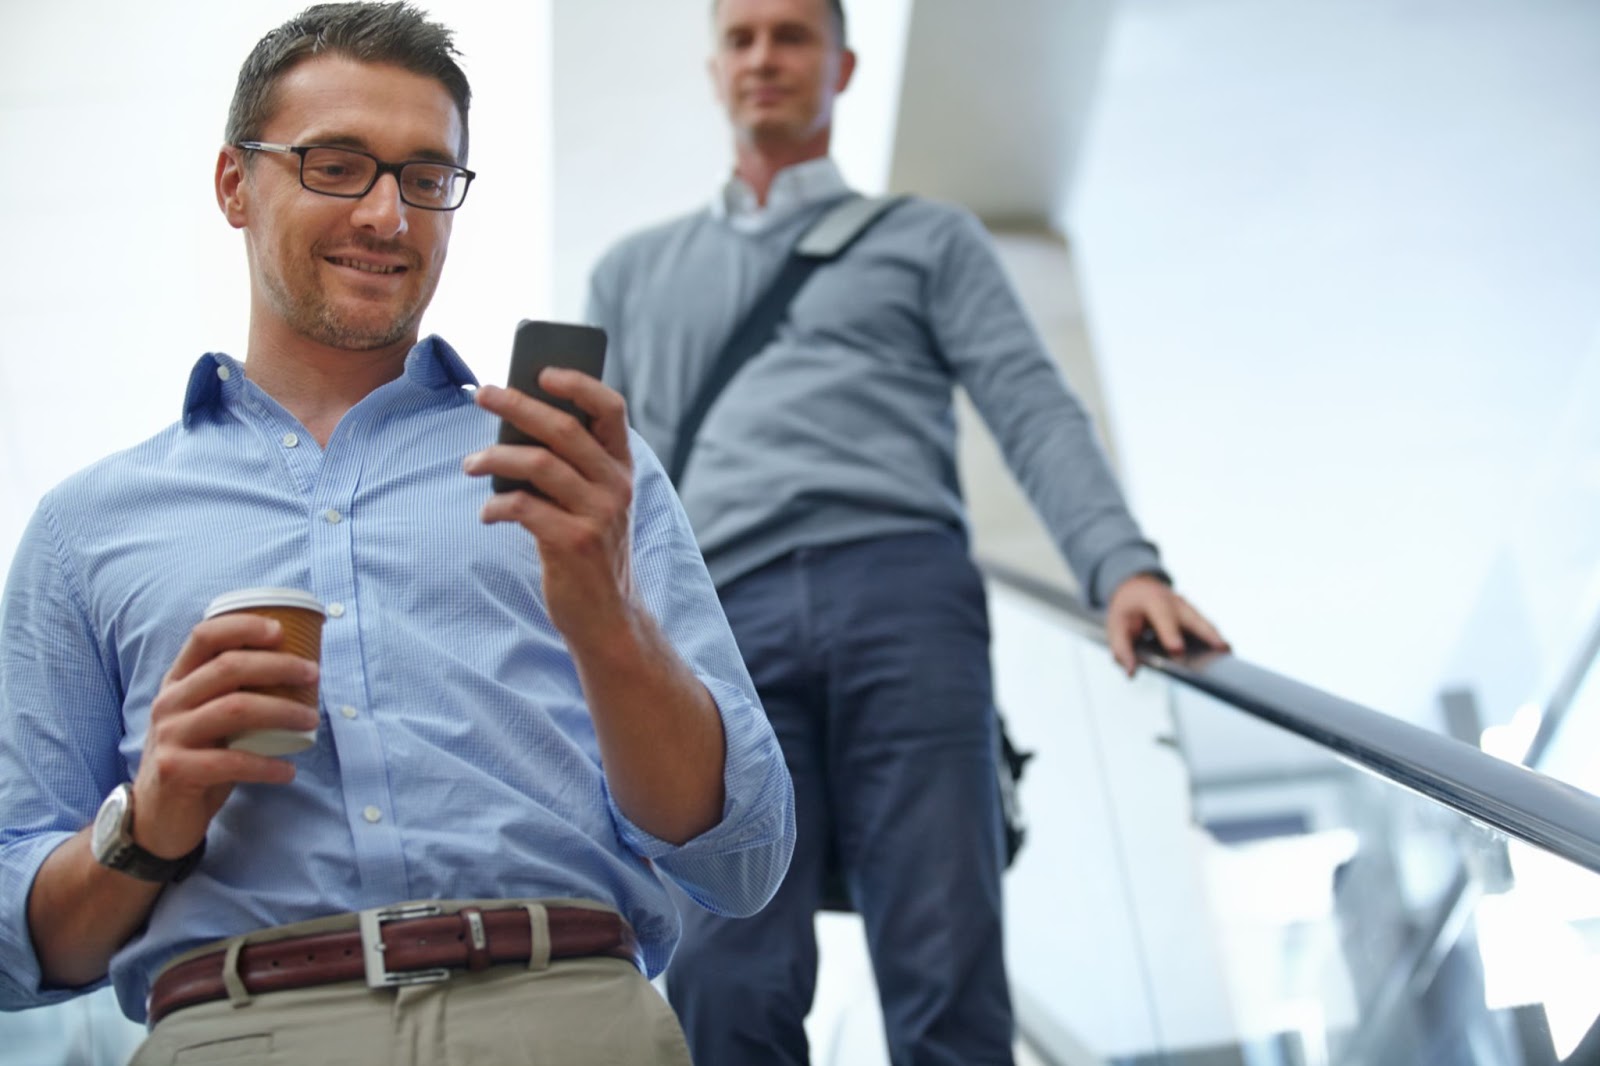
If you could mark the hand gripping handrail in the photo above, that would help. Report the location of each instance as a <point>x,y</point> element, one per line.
<point>1513,799</point>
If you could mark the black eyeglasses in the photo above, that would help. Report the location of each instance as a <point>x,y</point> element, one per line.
<point>351,174</point>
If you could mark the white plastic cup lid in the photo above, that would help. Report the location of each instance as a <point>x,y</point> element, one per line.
<point>242,599</point>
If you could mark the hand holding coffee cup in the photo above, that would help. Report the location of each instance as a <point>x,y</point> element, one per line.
<point>301,616</point>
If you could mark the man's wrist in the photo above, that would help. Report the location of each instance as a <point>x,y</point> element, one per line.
<point>1138,578</point>
<point>1117,565</point>
<point>113,844</point>
<point>618,641</point>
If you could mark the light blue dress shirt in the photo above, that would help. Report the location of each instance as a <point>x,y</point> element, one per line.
<point>455,758</point>
<point>793,190</point>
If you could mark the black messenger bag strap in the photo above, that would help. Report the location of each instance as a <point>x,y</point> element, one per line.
<point>825,240</point>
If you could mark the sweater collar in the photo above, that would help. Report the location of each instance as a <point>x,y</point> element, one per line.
<point>794,189</point>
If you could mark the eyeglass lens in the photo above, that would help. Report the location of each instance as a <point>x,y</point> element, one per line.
<point>346,173</point>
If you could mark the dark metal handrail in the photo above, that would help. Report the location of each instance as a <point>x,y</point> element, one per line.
<point>1504,796</point>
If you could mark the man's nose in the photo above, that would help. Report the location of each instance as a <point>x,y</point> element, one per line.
<point>381,209</point>
<point>762,51</point>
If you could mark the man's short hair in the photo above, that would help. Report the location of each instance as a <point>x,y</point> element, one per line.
<point>835,8</point>
<point>394,33</point>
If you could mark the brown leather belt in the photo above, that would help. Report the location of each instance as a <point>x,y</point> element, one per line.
<point>397,946</point>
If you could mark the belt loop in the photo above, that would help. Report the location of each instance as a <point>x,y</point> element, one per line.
<point>475,938</point>
<point>238,994</point>
<point>539,938</point>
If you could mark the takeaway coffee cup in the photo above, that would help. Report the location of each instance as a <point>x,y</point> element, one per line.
<point>301,616</point>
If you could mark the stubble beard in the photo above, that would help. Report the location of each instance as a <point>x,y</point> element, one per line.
<point>312,315</point>
<point>318,320</point>
<point>778,131</point>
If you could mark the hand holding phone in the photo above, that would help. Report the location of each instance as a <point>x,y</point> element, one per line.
<point>536,346</point>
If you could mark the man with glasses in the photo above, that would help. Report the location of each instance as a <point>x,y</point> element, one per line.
<point>532,711</point>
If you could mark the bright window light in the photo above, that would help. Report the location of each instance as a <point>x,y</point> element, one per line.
<point>1512,740</point>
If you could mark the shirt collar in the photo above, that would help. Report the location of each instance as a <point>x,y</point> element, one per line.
<point>793,189</point>
<point>217,378</point>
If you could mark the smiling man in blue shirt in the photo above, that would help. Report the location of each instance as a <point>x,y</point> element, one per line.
<point>532,711</point>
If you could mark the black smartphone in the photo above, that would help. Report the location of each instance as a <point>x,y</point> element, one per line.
<point>536,346</point>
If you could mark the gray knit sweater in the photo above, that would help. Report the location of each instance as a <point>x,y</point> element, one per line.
<point>843,427</point>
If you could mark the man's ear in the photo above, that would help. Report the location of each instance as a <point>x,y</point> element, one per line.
<point>231,186</point>
<point>847,67</point>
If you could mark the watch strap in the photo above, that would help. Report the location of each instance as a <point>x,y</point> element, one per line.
<point>134,861</point>
<point>122,854</point>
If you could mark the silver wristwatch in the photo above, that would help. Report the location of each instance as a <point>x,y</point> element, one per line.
<point>111,841</point>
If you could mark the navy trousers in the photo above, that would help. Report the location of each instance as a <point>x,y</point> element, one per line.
<point>872,660</point>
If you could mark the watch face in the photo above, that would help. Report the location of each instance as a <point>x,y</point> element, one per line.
<point>107,832</point>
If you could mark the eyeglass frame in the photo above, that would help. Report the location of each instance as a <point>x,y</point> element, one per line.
<point>382,168</point>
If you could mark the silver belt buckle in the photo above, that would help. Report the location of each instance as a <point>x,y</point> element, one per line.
<point>378,973</point>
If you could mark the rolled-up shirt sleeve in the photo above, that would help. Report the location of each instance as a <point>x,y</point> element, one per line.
<point>735,867</point>
<point>60,725</point>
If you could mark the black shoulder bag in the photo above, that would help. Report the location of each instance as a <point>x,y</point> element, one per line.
<point>826,240</point>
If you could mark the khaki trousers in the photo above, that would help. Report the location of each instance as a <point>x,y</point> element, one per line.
<point>595,1011</point>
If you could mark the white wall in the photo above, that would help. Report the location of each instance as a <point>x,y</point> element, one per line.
<point>995,99</point>
<point>1541,599</point>
<point>119,270</point>
<point>1341,260</point>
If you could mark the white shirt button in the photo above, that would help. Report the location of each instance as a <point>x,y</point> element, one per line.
<point>224,373</point>
<point>348,712</point>
<point>290,440</point>
<point>333,517</point>
<point>372,814</point>
<point>335,610</point>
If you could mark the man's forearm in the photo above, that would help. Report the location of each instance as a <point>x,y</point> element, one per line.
<point>80,913</point>
<point>660,732</point>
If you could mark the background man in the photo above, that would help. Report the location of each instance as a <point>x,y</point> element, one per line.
<point>822,489</point>
<point>534,705</point>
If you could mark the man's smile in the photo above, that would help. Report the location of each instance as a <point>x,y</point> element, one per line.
<point>367,266</point>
